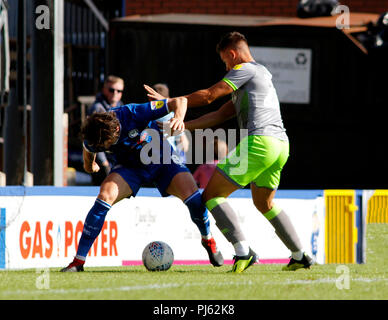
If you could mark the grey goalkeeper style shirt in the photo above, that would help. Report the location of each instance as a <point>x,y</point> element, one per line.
<point>255,100</point>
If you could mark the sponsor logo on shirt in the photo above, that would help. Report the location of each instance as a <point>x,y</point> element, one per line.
<point>157,105</point>
<point>237,66</point>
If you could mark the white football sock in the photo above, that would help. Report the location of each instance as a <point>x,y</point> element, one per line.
<point>80,258</point>
<point>298,255</point>
<point>207,237</point>
<point>241,248</point>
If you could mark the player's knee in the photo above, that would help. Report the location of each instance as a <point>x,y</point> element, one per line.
<point>110,189</point>
<point>263,205</point>
<point>188,190</point>
<point>106,197</point>
<point>107,194</point>
<point>182,186</point>
<point>216,191</point>
<point>207,195</point>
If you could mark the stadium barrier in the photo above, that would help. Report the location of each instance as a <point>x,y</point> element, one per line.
<point>40,227</point>
<point>378,207</point>
<point>342,210</point>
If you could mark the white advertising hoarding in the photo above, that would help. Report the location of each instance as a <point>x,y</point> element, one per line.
<point>43,230</point>
<point>290,69</point>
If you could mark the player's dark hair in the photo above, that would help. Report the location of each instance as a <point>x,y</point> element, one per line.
<point>100,127</point>
<point>230,39</point>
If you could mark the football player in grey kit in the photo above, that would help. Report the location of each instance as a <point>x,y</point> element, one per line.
<point>259,157</point>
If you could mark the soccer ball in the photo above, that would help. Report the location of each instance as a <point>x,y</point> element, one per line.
<point>157,256</point>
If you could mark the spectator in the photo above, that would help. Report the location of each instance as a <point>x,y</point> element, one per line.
<point>204,172</point>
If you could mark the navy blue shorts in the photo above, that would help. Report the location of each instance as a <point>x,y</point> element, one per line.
<point>159,174</point>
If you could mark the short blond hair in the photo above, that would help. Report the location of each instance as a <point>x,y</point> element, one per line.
<point>113,79</point>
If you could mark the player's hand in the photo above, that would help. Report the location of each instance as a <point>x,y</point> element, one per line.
<point>167,128</point>
<point>152,94</point>
<point>93,169</point>
<point>177,124</point>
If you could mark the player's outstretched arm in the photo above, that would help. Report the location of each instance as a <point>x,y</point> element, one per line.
<point>211,119</point>
<point>198,98</point>
<point>204,97</point>
<point>179,107</point>
<point>90,165</point>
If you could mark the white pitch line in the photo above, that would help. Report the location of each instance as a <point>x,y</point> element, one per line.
<point>178,285</point>
<point>330,280</point>
<point>124,288</point>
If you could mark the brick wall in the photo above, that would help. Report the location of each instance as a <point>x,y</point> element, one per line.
<point>370,6</point>
<point>240,7</point>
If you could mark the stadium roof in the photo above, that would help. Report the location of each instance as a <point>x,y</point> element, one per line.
<point>357,20</point>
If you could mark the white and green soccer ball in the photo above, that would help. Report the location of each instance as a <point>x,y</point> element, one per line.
<point>158,256</point>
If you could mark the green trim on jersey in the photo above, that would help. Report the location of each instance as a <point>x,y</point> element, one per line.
<point>230,83</point>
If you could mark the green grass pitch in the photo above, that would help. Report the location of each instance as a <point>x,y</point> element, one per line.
<point>260,282</point>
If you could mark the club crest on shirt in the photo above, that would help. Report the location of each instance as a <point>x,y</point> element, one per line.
<point>157,104</point>
<point>145,136</point>
<point>133,133</point>
<point>237,66</point>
